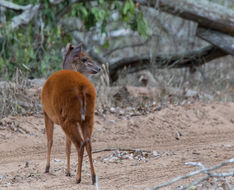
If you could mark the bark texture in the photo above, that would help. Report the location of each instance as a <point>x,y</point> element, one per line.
<point>190,59</point>
<point>205,13</point>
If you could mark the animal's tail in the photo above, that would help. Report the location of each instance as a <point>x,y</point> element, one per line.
<point>82,98</point>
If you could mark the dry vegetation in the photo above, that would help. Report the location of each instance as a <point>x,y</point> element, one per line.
<point>211,82</point>
<point>142,91</point>
<point>20,96</point>
<point>136,94</point>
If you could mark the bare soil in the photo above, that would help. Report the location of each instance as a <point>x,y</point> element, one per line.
<point>165,140</point>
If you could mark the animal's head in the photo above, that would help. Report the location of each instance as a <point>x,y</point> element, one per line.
<point>75,59</point>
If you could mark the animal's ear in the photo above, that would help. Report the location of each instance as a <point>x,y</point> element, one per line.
<point>78,48</point>
<point>66,61</point>
<point>69,47</point>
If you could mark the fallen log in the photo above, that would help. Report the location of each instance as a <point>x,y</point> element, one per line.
<point>206,13</point>
<point>189,59</point>
<point>218,39</point>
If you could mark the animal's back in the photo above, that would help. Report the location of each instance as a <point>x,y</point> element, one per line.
<point>62,93</point>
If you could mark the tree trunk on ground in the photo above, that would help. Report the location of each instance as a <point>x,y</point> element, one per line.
<point>205,13</point>
<point>218,39</point>
<point>188,59</point>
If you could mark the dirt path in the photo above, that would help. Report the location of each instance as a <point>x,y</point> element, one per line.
<point>207,136</point>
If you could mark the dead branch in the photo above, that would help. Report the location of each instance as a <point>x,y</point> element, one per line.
<point>13,6</point>
<point>190,59</point>
<point>212,174</point>
<point>55,2</point>
<point>202,170</point>
<point>194,183</point>
<point>119,149</point>
<point>177,179</point>
<point>25,17</point>
<point>206,13</point>
<point>218,39</point>
<point>29,11</point>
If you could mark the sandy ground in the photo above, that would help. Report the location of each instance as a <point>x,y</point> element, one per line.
<point>166,139</point>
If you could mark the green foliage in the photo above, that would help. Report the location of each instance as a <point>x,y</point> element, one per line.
<point>92,15</point>
<point>106,44</point>
<point>100,1</point>
<point>36,50</point>
<point>25,52</point>
<point>79,10</point>
<point>1,62</point>
<point>142,25</point>
<point>128,10</point>
<point>135,19</point>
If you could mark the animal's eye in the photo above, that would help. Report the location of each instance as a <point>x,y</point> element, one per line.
<point>84,59</point>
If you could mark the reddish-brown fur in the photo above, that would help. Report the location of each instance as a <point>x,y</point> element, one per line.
<point>62,95</point>
<point>68,99</point>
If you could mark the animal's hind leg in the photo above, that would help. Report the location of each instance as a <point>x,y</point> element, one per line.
<point>49,126</point>
<point>71,130</point>
<point>80,160</point>
<point>87,132</point>
<point>89,151</point>
<point>68,152</point>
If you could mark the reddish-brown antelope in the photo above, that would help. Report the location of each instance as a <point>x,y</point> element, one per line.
<point>68,99</point>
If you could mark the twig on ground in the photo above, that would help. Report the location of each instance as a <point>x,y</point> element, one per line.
<point>177,179</point>
<point>212,174</point>
<point>194,183</point>
<point>203,170</point>
<point>119,149</point>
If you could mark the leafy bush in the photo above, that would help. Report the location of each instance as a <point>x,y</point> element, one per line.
<point>36,48</point>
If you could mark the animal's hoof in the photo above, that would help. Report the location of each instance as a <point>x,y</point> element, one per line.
<point>94,179</point>
<point>78,181</point>
<point>47,169</point>
<point>68,174</point>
